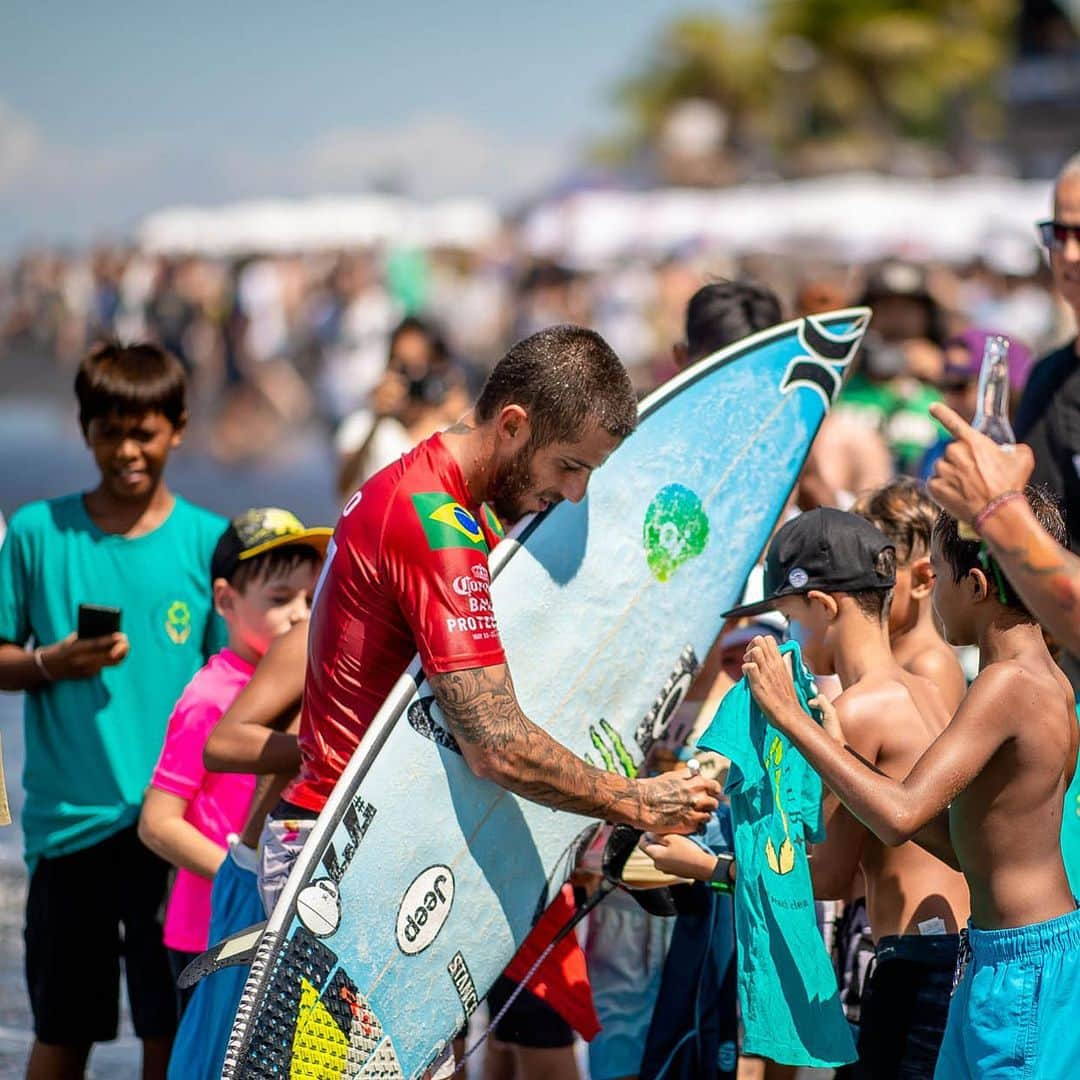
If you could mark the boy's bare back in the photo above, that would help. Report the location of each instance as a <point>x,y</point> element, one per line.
<point>1006,825</point>
<point>890,717</point>
<point>929,657</point>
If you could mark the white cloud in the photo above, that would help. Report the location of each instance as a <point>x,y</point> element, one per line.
<point>428,157</point>
<point>53,189</point>
<point>20,146</point>
<point>34,166</point>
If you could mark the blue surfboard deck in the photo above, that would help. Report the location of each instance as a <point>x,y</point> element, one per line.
<point>420,881</point>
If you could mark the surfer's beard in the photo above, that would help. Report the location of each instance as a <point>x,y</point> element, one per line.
<point>509,486</point>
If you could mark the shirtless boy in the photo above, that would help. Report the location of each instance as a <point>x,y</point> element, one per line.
<point>905,513</point>
<point>991,786</point>
<point>832,574</point>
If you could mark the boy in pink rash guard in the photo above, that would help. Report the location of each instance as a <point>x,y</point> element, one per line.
<point>264,570</point>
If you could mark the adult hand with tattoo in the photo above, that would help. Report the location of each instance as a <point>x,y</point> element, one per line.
<point>974,470</point>
<point>500,743</point>
<point>770,681</point>
<point>677,802</point>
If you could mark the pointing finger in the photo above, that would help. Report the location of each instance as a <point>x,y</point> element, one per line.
<point>951,420</point>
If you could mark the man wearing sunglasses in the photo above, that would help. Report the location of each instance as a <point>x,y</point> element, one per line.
<point>1048,417</point>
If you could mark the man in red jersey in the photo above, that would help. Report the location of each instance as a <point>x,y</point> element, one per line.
<point>407,571</point>
<point>551,412</point>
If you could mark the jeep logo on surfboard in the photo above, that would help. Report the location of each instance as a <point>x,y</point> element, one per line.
<point>424,909</point>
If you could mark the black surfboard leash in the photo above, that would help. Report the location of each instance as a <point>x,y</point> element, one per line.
<point>617,850</point>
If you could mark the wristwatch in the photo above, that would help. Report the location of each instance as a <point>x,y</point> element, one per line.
<point>721,875</point>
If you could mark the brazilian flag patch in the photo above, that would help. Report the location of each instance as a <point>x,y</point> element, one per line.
<point>446,523</point>
<point>493,523</point>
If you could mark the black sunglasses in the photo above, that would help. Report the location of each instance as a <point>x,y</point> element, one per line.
<point>1055,234</point>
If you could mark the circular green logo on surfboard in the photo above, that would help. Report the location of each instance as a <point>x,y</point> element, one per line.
<point>675,531</point>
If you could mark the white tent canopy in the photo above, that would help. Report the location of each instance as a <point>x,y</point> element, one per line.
<point>853,217</point>
<point>316,224</point>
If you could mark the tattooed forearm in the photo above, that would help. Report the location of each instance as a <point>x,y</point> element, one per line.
<point>482,711</point>
<point>1045,574</point>
<point>499,741</point>
<point>481,708</point>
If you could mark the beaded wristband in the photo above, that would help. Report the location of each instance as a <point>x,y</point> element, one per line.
<point>994,505</point>
<point>39,663</point>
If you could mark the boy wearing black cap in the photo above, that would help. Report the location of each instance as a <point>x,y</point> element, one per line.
<point>832,575</point>
<point>263,570</point>
<point>1000,769</point>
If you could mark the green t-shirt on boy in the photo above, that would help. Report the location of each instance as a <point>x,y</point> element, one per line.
<point>91,744</point>
<point>788,994</point>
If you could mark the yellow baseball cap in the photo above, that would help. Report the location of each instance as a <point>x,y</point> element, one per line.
<point>259,530</point>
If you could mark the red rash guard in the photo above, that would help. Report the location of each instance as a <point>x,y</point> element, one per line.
<point>406,572</point>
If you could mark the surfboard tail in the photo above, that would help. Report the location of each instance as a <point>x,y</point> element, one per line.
<point>250,1000</point>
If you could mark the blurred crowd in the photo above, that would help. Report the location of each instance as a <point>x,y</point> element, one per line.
<point>379,348</point>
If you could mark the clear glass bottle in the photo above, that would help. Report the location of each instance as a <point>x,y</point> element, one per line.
<point>992,407</point>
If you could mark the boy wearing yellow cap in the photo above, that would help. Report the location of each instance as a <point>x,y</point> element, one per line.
<point>264,571</point>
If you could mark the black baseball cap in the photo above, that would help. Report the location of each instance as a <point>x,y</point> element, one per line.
<point>825,550</point>
<point>259,530</point>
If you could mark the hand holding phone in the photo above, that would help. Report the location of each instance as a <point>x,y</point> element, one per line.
<point>97,621</point>
<point>96,644</point>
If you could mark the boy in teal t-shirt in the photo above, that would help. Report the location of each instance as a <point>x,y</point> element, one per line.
<point>96,707</point>
<point>788,994</point>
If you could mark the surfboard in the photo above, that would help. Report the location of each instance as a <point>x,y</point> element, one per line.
<point>419,880</point>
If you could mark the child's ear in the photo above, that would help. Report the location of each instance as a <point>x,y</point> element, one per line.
<point>922,578</point>
<point>178,431</point>
<point>224,597</point>
<point>980,585</point>
<point>828,603</point>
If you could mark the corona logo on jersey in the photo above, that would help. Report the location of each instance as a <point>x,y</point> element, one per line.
<point>446,523</point>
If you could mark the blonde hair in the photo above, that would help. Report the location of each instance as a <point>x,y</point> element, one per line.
<point>904,512</point>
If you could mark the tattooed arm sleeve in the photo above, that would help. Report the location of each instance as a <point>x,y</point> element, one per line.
<point>1045,574</point>
<point>501,743</point>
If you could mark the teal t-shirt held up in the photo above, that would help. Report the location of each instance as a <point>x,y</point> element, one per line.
<point>91,744</point>
<point>787,987</point>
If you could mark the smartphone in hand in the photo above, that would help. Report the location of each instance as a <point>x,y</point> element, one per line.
<point>97,621</point>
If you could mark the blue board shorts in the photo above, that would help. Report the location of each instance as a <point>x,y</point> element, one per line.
<point>1015,1011</point>
<point>199,1050</point>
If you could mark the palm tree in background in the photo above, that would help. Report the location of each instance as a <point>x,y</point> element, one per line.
<point>813,85</point>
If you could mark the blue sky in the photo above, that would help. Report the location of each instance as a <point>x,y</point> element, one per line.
<point>113,109</point>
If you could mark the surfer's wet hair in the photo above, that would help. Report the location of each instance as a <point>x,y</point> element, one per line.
<point>726,311</point>
<point>904,512</point>
<point>564,377</point>
<point>130,380</point>
<point>963,556</point>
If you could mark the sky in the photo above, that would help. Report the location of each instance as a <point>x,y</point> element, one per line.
<point>113,109</point>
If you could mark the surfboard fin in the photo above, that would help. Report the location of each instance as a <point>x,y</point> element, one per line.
<point>236,949</point>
